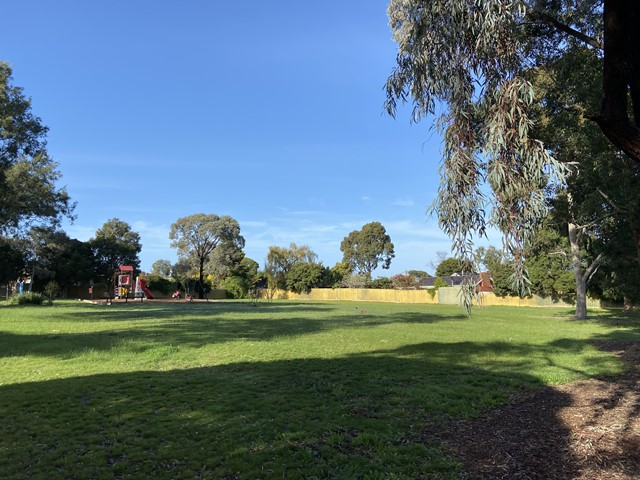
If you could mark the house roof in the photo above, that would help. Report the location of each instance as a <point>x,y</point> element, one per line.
<point>453,280</point>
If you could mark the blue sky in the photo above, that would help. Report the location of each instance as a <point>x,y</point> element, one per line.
<point>270,112</point>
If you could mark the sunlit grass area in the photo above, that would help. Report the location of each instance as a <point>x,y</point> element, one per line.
<point>276,390</point>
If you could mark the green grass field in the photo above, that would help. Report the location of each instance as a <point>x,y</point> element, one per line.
<point>278,390</point>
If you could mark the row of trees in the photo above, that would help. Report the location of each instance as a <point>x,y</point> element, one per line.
<point>47,254</point>
<point>210,247</point>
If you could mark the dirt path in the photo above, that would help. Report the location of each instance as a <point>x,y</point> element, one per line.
<point>588,430</point>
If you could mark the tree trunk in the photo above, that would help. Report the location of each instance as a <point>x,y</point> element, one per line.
<point>200,287</point>
<point>634,224</point>
<point>583,277</point>
<point>621,76</point>
<point>581,298</point>
<point>581,285</point>
<point>635,232</point>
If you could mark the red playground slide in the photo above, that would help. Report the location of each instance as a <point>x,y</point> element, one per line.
<point>143,287</point>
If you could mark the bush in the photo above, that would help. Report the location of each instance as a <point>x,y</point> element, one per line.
<point>29,298</point>
<point>51,290</point>
<point>402,281</point>
<point>502,276</point>
<point>438,283</point>
<point>161,284</point>
<point>302,277</point>
<point>357,280</point>
<point>382,283</point>
<point>236,287</point>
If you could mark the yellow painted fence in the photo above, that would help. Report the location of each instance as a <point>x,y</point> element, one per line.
<point>444,296</point>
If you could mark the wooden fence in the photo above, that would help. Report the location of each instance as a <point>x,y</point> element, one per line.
<point>443,296</point>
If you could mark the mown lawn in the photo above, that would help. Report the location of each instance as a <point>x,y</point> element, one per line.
<point>278,390</point>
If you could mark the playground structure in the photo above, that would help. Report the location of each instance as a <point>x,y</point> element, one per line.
<point>142,289</point>
<point>124,285</point>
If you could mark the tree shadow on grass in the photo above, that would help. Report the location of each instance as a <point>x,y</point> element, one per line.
<point>145,310</point>
<point>374,415</point>
<point>171,326</point>
<point>136,310</point>
<point>616,315</point>
<point>356,417</point>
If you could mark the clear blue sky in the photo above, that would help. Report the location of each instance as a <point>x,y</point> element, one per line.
<point>270,112</point>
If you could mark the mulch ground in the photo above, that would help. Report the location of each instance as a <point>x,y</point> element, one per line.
<point>100,301</point>
<point>588,430</point>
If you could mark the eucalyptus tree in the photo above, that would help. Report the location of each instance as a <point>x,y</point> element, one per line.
<point>550,263</point>
<point>184,272</point>
<point>418,274</point>
<point>367,248</point>
<point>466,61</point>
<point>161,267</point>
<point>224,260</point>
<point>197,236</point>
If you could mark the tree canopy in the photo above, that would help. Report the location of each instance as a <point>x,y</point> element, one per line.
<point>302,277</point>
<point>198,235</point>
<point>113,245</point>
<point>28,176</point>
<point>466,61</point>
<point>365,249</point>
<point>598,210</point>
<point>549,264</point>
<point>280,260</point>
<point>51,254</point>
<point>448,267</point>
<point>161,267</point>
<point>12,259</point>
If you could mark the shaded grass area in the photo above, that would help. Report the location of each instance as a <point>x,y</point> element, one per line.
<point>281,390</point>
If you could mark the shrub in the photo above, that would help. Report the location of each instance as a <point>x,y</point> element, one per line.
<point>236,287</point>
<point>382,283</point>
<point>502,280</point>
<point>51,290</point>
<point>357,280</point>
<point>438,283</point>
<point>28,298</point>
<point>161,284</point>
<point>302,277</point>
<point>401,281</point>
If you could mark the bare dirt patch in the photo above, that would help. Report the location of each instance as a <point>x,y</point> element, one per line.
<point>588,430</point>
